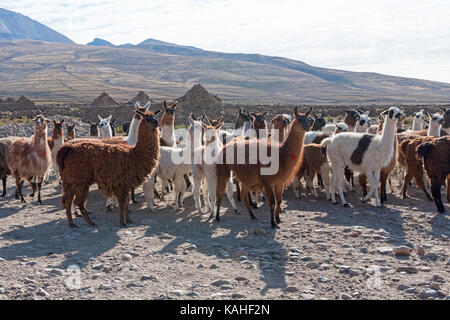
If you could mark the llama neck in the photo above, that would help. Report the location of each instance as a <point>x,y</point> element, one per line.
<point>389,131</point>
<point>290,153</point>
<point>417,124</point>
<point>145,149</point>
<point>168,129</point>
<point>40,142</point>
<point>57,137</point>
<point>71,135</point>
<point>133,131</point>
<point>434,130</point>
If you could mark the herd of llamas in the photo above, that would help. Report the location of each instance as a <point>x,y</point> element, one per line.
<point>306,148</point>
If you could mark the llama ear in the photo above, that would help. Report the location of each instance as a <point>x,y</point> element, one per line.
<point>443,109</point>
<point>175,105</point>
<point>308,112</point>
<point>192,117</point>
<point>62,121</point>
<point>219,126</point>
<point>385,112</point>
<point>109,118</point>
<point>99,118</point>
<point>204,126</point>
<point>54,121</point>
<point>89,121</point>
<point>156,112</point>
<point>314,115</point>
<point>165,104</point>
<point>296,111</point>
<point>142,114</point>
<point>264,113</point>
<point>220,118</point>
<point>251,114</point>
<point>367,113</point>
<point>96,124</point>
<point>240,111</point>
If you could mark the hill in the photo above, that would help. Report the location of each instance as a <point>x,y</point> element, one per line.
<point>100,43</point>
<point>14,25</point>
<point>61,72</point>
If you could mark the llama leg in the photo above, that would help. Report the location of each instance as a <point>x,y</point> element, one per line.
<point>67,200</point>
<point>373,178</point>
<point>325,172</point>
<point>122,197</point>
<point>408,178</point>
<point>436,192</point>
<point>148,188</point>
<point>310,184</point>
<point>363,183</point>
<point>4,187</point>
<point>333,186</point>
<point>244,197</point>
<point>383,180</point>
<point>320,181</point>
<point>339,184</point>
<point>421,184</point>
<point>197,186</point>
<point>55,170</point>
<point>183,187</point>
<point>448,188</point>
<point>126,203</point>
<point>221,185</point>
<point>19,185</point>
<point>278,193</point>
<point>133,196</point>
<point>212,187</point>
<point>205,195</point>
<point>376,182</point>
<point>238,191</point>
<point>81,194</point>
<point>230,193</point>
<point>271,204</point>
<point>39,184</point>
<point>296,187</point>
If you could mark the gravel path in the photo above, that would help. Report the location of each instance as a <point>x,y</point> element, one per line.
<point>321,251</point>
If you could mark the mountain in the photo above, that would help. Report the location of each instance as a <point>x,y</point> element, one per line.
<point>100,43</point>
<point>59,72</point>
<point>14,26</point>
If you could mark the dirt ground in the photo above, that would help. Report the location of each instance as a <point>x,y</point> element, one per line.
<point>321,251</point>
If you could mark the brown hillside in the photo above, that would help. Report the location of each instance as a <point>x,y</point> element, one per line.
<point>104,100</point>
<point>199,101</point>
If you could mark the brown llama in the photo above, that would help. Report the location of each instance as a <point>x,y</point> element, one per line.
<point>5,143</point>
<point>168,124</point>
<point>93,129</point>
<point>115,168</point>
<point>70,132</point>
<point>413,164</point>
<point>259,123</point>
<point>290,155</point>
<point>436,159</point>
<point>214,122</point>
<point>30,158</point>
<point>279,123</point>
<point>55,142</point>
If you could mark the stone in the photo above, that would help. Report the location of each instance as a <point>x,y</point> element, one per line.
<point>291,289</point>
<point>213,266</point>
<point>127,257</point>
<point>237,295</point>
<point>306,296</point>
<point>306,258</point>
<point>312,265</point>
<point>402,251</point>
<point>438,278</point>
<point>353,272</point>
<point>432,256</point>
<point>219,283</point>
<point>192,294</point>
<point>420,251</point>
<point>402,287</point>
<point>240,279</point>
<point>426,293</point>
<point>345,296</point>
<point>42,293</point>
<point>384,250</point>
<point>435,286</point>
<point>323,280</point>
<point>408,269</point>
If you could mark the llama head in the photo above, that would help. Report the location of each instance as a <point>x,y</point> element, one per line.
<point>70,128</point>
<point>446,123</point>
<point>340,127</point>
<point>351,117</point>
<point>104,123</point>
<point>419,116</point>
<point>212,121</point>
<point>279,122</point>
<point>195,129</point>
<point>259,120</point>
<point>137,106</point>
<point>58,127</point>
<point>148,120</point>
<point>93,128</point>
<point>40,123</point>
<point>319,121</point>
<point>393,114</point>
<point>169,112</point>
<point>242,118</point>
<point>364,121</point>
<point>436,119</point>
<point>302,121</point>
<point>211,133</point>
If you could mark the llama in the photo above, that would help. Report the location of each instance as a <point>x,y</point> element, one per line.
<point>249,174</point>
<point>279,123</point>
<point>363,153</point>
<point>126,127</point>
<point>434,127</point>
<point>446,125</point>
<point>413,165</point>
<point>112,124</point>
<point>104,127</point>
<point>214,122</point>
<point>56,141</point>
<point>5,143</point>
<point>167,124</point>
<point>436,159</point>
<point>259,124</point>
<point>70,132</point>
<point>242,127</point>
<point>93,129</point>
<point>319,122</point>
<point>419,120</point>
<point>114,168</point>
<point>206,169</point>
<point>363,123</point>
<point>351,117</point>
<point>334,128</point>
<point>30,157</point>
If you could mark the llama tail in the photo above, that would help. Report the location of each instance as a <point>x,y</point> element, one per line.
<point>424,149</point>
<point>325,142</point>
<point>63,152</point>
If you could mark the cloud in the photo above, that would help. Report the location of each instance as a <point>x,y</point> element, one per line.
<point>406,38</point>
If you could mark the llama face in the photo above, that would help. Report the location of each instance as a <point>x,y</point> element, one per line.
<point>351,117</point>
<point>279,122</point>
<point>242,118</point>
<point>210,133</point>
<point>70,129</point>
<point>170,111</point>
<point>303,120</point>
<point>40,123</point>
<point>58,126</point>
<point>259,120</point>
<point>393,113</point>
<point>419,115</point>
<point>340,127</point>
<point>104,123</point>
<point>319,121</point>
<point>214,122</point>
<point>149,119</point>
<point>436,119</point>
<point>364,120</point>
<point>93,129</point>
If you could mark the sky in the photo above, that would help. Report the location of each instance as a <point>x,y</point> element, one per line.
<point>395,37</point>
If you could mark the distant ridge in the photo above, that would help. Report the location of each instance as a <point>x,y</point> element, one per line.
<point>100,43</point>
<point>15,26</point>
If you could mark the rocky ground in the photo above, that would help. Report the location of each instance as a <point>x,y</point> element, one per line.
<point>322,251</point>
